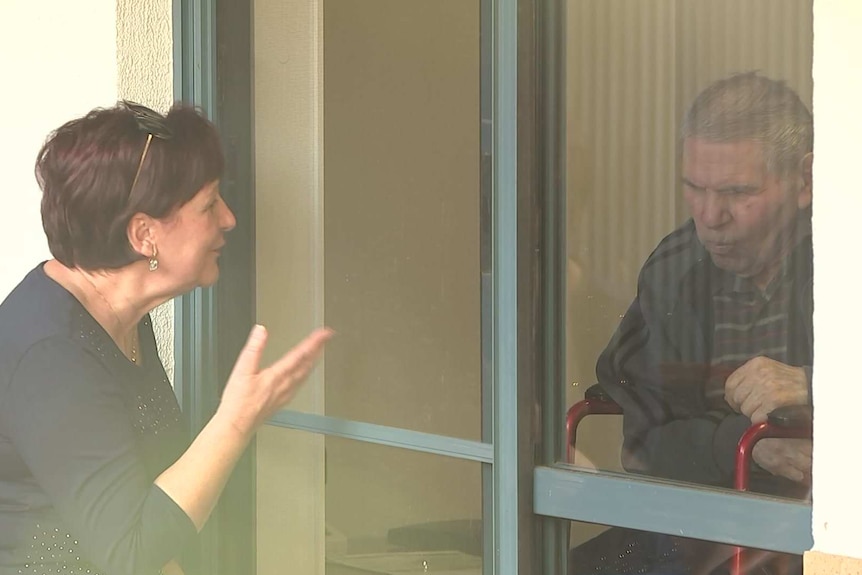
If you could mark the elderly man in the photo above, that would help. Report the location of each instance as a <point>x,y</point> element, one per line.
<point>720,332</point>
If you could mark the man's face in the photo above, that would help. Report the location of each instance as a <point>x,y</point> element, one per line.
<point>744,214</point>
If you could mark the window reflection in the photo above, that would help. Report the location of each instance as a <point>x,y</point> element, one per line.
<point>719,334</point>
<point>689,248</point>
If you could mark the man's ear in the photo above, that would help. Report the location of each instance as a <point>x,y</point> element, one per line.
<point>806,192</point>
<point>141,233</point>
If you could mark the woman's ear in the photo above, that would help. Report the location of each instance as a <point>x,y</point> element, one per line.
<point>141,233</point>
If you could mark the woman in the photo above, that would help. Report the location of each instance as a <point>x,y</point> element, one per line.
<point>95,476</point>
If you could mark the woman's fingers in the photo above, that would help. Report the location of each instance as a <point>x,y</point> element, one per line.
<point>264,390</point>
<point>288,372</point>
<point>248,362</point>
<point>297,362</point>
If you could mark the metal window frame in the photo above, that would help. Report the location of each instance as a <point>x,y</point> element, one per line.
<point>385,435</point>
<point>210,324</point>
<point>663,507</point>
<point>195,315</point>
<point>504,274</point>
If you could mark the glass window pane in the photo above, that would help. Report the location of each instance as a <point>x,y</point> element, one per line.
<point>603,550</point>
<point>402,213</point>
<point>368,198</point>
<point>688,262</point>
<point>332,505</point>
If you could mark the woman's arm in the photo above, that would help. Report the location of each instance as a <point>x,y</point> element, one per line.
<point>69,421</point>
<point>250,397</point>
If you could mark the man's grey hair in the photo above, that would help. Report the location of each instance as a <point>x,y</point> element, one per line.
<point>749,106</point>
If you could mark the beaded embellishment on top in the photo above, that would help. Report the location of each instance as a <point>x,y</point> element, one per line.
<point>55,552</point>
<point>151,411</point>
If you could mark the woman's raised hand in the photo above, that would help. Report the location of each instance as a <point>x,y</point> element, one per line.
<point>252,395</point>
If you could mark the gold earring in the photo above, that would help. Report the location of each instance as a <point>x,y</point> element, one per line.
<point>154,262</point>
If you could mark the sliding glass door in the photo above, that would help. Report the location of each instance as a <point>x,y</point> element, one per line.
<point>466,191</point>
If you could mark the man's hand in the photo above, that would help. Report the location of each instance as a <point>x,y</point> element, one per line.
<point>762,385</point>
<point>790,458</point>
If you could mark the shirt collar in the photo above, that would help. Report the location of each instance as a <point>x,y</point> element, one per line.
<point>727,282</point>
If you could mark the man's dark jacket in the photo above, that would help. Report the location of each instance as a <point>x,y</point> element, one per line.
<point>657,363</point>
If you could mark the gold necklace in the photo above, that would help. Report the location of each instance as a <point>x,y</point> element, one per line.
<point>133,348</point>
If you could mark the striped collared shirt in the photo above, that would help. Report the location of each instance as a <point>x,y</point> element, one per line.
<point>749,322</point>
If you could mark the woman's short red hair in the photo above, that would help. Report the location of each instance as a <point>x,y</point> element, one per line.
<point>86,169</point>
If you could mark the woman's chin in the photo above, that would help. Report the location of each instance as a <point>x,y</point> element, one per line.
<point>208,280</point>
<point>210,276</point>
<point>205,278</point>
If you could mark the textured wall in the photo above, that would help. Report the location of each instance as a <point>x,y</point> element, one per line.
<point>145,75</point>
<point>818,563</point>
<point>145,52</point>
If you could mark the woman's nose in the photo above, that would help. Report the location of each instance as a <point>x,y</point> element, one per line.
<point>228,220</point>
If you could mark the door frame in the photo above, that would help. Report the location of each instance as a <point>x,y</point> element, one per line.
<point>210,324</point>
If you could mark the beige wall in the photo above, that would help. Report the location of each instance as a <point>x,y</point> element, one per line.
<point>402,213</point>
<point>145,52</point>
<point>837,206</point>
<point>402,251</point>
